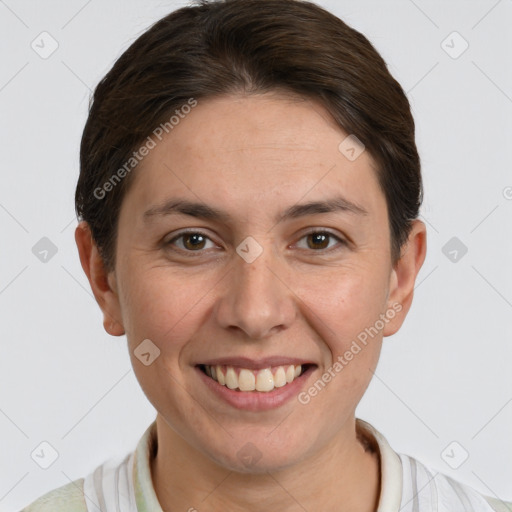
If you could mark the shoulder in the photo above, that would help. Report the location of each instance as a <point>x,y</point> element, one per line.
<point>499,506</point>
<point>68,498</point>
<point>428,489</point>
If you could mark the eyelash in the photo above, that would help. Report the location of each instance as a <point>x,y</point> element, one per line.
<point>191,253</point>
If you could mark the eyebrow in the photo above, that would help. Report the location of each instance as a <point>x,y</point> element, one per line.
<point>203,211</point>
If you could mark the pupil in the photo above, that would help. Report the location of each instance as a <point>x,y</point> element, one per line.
<point>319,241</point>
<point>194,241</point>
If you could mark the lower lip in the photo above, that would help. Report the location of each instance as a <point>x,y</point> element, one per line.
<point>257,400</point>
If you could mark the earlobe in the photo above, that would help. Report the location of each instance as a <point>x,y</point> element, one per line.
<point>100,280</point>
<point>403,276</point>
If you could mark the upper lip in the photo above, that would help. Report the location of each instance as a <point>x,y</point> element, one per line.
<point>255,364</point>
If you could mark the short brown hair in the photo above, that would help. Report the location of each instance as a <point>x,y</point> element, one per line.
<point>219,47</point>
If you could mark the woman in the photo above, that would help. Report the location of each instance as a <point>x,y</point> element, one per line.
<point>249,196</point>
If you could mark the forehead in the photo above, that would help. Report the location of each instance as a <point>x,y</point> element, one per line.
<point>267,149</point>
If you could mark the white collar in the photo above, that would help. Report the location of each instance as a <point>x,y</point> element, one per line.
<point>390,467</point>
<point>391,473</point>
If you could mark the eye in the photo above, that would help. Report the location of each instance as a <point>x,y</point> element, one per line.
<point>192,241</point>
<point>319,240</point>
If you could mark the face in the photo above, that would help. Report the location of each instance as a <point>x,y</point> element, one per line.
<point>250,243</point>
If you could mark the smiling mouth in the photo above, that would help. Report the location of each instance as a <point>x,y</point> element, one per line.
<point>263,380</point>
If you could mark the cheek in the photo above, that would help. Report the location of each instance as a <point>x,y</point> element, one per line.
<point>343,308</point>
<point>167,309</point>
<point>346,302</point>
<point>164,307</point>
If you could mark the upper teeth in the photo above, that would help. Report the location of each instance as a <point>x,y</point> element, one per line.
<point>249,380</point>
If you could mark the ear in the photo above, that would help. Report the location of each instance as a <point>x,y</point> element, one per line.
<point>103,284</point>
<point>403,276</point>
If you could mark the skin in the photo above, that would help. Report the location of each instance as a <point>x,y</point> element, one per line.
<point>253,157</point>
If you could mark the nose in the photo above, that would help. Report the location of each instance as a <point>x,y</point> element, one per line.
<point>255,299</point>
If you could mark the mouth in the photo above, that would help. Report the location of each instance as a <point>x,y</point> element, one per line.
<point>262,380</point>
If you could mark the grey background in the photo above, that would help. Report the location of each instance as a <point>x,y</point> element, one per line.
<point>445,377</point>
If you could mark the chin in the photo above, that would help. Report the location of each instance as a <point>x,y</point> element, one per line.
<point>253,454</point>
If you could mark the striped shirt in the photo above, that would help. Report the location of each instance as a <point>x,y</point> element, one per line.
<point>125,485</point>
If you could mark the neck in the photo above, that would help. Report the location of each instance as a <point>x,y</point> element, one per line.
<point>344,476</point>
